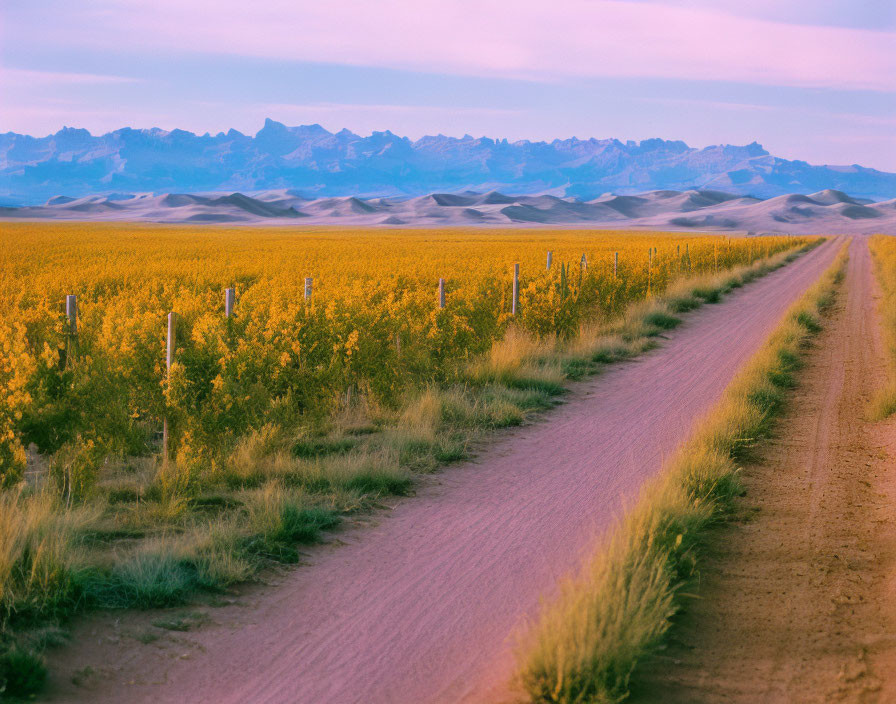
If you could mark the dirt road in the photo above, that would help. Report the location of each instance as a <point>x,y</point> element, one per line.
<point>797,605</point>
<point>425,606</point>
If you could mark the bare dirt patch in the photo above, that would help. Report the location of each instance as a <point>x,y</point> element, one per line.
<point>797,601</point>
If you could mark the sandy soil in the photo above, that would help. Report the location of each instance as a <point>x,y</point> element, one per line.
<point>694,210</point>
<point>426,606</point>
<point>797,604</point>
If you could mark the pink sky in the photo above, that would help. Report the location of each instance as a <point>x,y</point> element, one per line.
<point>797,45</point>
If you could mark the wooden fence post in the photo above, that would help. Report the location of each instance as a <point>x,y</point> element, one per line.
<point>550,256</point>
<point>441,293</point>
<point>615,264</point>
<point>169,360</point>
<point>308,284</point>
<point>649,268</point>
<point>228,302</point>
<point>584,263</point>
<point>71,314</point>
<point>516,289</point>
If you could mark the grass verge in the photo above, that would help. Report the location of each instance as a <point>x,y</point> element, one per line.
<point>588,643</point>
<point>152,537</point>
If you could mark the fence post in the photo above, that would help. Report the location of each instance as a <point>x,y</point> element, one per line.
<point>550,256</point>
<point>228,302</point>
<point>308,284</point>
<point>615,264</point>
<point>71,314</point>
<point>649,268</point>
<point>584,262</point>
<point>441,293</point>
<point>516,289</point>
<point>169,360</point>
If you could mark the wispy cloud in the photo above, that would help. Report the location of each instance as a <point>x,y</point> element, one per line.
<point>847,116</point>
<point>714,104</point>
<point>879,15</point>
<point>293,109</point>
<point>27,77</point>
<point>529,39</point>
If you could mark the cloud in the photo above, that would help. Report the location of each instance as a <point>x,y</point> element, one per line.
<point>869,14</point>
<point>852,118</point>
<point>714,104</point>
<point>528,39</point>
<point>25,77</point>
<point>288,109</point>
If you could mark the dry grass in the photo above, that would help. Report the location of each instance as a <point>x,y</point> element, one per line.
<point>39,553</point>
<point>588,643</point>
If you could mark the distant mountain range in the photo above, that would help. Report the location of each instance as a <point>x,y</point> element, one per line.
<point>827,211</point>
<point>313,162</point>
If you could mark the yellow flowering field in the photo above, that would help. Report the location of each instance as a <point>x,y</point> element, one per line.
<point>883,249</point>
<point>373,326</point>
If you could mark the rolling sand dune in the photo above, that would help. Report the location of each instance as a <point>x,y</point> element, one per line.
<point>823,212</point>
<point>424,607</point>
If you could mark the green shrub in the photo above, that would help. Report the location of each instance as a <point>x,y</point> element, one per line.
<point>22,673</point>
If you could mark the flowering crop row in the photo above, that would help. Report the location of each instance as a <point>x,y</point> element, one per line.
<point>372,326</point>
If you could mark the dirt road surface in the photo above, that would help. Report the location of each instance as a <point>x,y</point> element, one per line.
<point>797,605</point>
<point>426,606</point>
